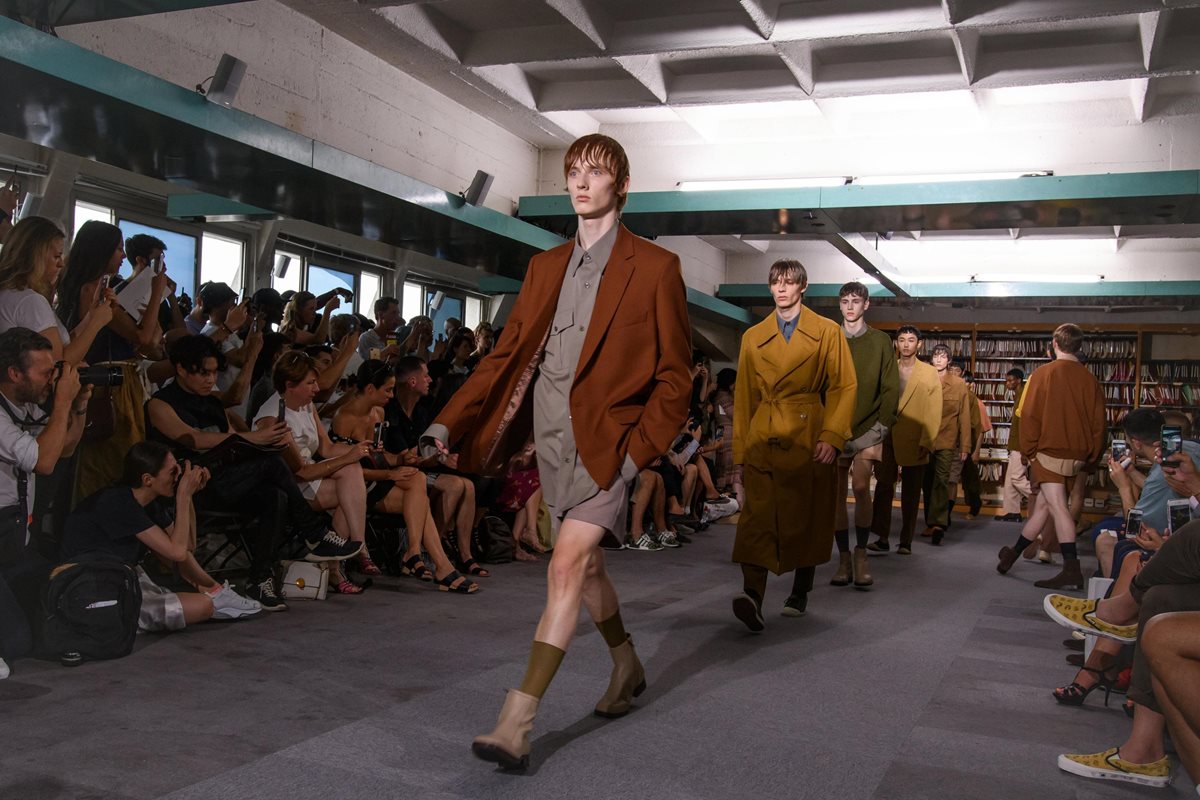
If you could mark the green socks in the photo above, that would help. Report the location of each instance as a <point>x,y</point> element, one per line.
<point>544,660</point>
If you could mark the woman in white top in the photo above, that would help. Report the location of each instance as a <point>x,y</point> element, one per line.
<point>30,264</point>
<point>335,483</point>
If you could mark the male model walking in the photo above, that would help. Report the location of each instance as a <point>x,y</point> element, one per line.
<point>600,333</point>
<point>908,445</point>
<point>951,448</point>
<point>874,414</point>
<point>1016,478</point>
<point>1062,432</point>
<point>793,404</point>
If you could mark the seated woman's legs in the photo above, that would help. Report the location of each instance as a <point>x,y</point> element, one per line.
<point>705,477</point>
<point>409,499</point>
<point>1172,647</point>
<point>658,504</point>
<point>345,494</point>
<point>519,524</point>
<point>530,535</point>
<point>642,494</point>
<point>458,513</point>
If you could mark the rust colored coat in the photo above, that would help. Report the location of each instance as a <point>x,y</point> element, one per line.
<point>633,383</point>
<point>778,419</point>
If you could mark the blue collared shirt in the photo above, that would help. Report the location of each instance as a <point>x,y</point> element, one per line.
<point>787,328</point>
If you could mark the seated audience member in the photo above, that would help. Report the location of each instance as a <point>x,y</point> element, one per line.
<point>143,251</point>
<point>270,304</point>
<point>1169,582</point>
<point>419,339</point>
<point>187,417</point>
<point>31,269</point>
<point>31,443</point>
<point>649,498</point>
<point>388,319</point>
<point>213,302</point>
<point>329,475</point>
<point>261,387</point>
<point>485,340</point>
<point>458,353</point>
<point>129,520</point>
<point>522,495</point>
<point>400,487</point>
<point>722,400</point>
<point>408,415</point>
<point>1169,642</point>
<point>300,319</point>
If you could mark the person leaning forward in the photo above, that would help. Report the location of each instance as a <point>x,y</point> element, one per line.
<point>793,404</point>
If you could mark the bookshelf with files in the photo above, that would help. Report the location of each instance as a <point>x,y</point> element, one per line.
<point>1169,374</point>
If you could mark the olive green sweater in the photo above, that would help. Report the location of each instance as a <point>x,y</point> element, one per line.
<point>878,380</point>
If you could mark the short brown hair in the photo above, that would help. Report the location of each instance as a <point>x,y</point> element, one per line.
<point>854,289</point>
<point>292,367</point>
<point>1069,338</point>
<point>788,268</point>
<point>602,151</point>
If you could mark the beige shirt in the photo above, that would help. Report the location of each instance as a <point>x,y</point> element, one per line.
<point>565,481</point>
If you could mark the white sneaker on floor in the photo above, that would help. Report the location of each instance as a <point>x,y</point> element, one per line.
<point>667,539</point>
<point>643,542</point>
<point>4,670</point>
<point>228,604</point>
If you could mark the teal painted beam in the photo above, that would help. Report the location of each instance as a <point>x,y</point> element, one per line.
<point>760,291</point>
<point>498,284</point>
<point>716,308</point>
<point>213,208</point>
<point>68,62</point>
<point>77,12</point>
<point>681,202</point>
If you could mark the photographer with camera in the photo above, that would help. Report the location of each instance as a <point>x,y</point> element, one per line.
<point>31,442</point>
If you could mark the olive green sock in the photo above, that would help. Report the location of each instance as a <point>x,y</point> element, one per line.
<point>544,660</point>
<point>613,630</point>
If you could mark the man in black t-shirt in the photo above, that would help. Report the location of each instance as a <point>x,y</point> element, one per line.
<point>128,520</point>
<point>187,417</point>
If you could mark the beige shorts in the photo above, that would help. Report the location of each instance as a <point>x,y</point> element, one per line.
<point>607,509</point>
<point>161,610</point>
<point>872,453</point>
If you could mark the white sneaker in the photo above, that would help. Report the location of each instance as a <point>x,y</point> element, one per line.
<point>228,604</point>
<point>643,542</point>
<point>667,539</point>
<point>4,670</point>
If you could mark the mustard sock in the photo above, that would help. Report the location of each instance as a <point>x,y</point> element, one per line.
<point>544,660</point>
<point>613,630</point>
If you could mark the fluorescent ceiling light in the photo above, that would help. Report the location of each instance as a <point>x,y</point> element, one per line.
<point>954,177</point>
<point>1037,277</point>
<point>762,183</point>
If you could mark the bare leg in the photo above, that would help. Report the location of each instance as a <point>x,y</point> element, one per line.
<point>1054,496</point>
<point>1105,545</point>
<point>599,594</point>
<point>196,607</point>
<point>642,494</point>
<point>860,483</point>
<point>658,504</point>
<point>191,571</point>
<point>702,471</point>
<point>577,543</point>
<point>1171,647</point>
<point>691,474</point>
<point>465,518</point>
<point>449,495</point>
<point>519,525</point>
<point>1145,742</point>
<point>532,507</point>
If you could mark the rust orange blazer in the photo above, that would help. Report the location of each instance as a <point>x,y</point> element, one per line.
<point>633,383</point>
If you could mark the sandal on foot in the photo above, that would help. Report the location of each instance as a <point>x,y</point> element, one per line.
<point>447,584</point>
<point>415,567</point>
<point>347,587</point>
<point>472,568</point>
<point>366,566</point>
<point>532,543</point>
<point>521,554</point>
<point>1075,693</point>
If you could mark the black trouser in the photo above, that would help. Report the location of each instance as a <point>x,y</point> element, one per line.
<point>912,480</point>
<point>22,585</point>
<point>937,488</point>
<point>972,486</point>
<point>1170,581</point>
<point>265,488</point>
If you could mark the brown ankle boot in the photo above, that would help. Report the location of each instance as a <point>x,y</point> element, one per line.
<point>844,571</point>
<point>862,578</point>
<point>1071,575</point>
<point>1008,557</point>
<point>508,744</point>
<point>628,681</point>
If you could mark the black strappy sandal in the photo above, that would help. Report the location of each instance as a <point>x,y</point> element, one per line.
<point>472,568</point>
<point>446,584</point>
<point>415,568</point>
<point>1073,694</point>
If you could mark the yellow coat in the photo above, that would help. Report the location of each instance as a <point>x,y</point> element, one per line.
<point>778,419</point>
<point>919,416</point>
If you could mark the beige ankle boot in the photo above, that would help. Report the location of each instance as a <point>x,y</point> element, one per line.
<point>628,681</point>
<point>844,571</point>
<point>862,576</point>
<point>508,744</point>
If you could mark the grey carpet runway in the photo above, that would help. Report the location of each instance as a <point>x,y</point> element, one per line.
<point>936,684</point>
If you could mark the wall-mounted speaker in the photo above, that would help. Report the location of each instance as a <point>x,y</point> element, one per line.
<point>226,81</point>
<point>479,187</point>
<point>435,302</point>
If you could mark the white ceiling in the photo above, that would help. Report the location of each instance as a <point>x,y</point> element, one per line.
<point>551,69</point>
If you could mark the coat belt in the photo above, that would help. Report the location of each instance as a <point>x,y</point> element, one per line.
<point>806,399</point>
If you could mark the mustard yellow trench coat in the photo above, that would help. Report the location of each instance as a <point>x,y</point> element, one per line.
<point>919,416</point>
<point>790,396</point>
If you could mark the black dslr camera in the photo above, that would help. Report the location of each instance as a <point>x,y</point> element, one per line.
<point>101,376</point>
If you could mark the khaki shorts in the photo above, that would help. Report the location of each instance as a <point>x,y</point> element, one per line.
<point>872,453</point>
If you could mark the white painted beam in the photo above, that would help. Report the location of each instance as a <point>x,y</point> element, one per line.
<point>763,14</point>
<point>648,71</point>
<point>966,45</point>
<point>1142,94</point>
<point>798,56</point>
<point>588,16</point>
<point>1152,28</point>
<point>954,11</point>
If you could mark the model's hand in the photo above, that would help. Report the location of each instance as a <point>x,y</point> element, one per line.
<point>825,453</point>
<point>1183,480</point>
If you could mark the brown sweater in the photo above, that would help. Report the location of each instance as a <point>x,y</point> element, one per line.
<point>955,433</point>
<point>1063,413</point>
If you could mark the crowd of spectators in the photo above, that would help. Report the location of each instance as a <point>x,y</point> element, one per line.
<point>137,421</point>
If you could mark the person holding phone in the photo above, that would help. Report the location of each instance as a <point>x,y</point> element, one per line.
<point>1063,431</point>
<point>1143,435</point>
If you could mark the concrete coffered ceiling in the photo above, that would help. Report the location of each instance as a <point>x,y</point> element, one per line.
<point>551,69</point>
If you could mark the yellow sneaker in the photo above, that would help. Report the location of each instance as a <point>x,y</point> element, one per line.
<point>1080,614</point>
<point>1109,766</point>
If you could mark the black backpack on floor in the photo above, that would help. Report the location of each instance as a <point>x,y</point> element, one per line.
<point>494,541</point>
<point>92,606</point>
